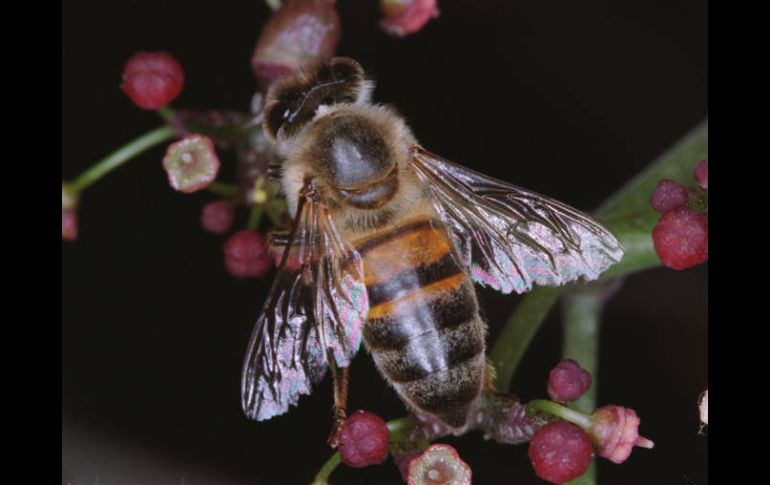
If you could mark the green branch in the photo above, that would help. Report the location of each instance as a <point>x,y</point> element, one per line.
<point>677,163</point>
<point>121,156</point>
<point>518,332</point>
<point>582,322</point>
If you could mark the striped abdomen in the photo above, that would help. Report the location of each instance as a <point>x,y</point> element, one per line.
<point>423,327</point>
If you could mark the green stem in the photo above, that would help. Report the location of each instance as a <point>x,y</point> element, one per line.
<point>322,478</point>
<point>255,216</point>
<point>582,311</point>
<point>223,190</point>
<point>167,114</point>
<point>400,428</point>
<point>560,411</point>
<point>635,234</point>
<point>582,322</point>
<point>518,332</point>
<point>588,478</point>
<point>677,163</point>
<point>120,156</point>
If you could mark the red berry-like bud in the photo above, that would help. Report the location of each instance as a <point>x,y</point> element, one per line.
<point>300,32</point>
<point>246,255</point>
<point>69,225</point>
<point>439,465</point>
<point>669,195</point>
<point>681,238</point>
<point>404,17</point>
<point>217,217</point>
<point>560,452</point>
<point>702,174</point>
<point>404,461</point>
<point>568,381</point>
<point>152,79</point>
<point>615,431</point>
<point>191,163</point>
<point>364,440</point>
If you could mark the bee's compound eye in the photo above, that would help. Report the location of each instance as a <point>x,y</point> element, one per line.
<point>276,115</point>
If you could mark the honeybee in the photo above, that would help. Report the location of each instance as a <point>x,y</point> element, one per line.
<point>387,242</point>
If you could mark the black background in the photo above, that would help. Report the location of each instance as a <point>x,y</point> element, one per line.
<point>567,98</point>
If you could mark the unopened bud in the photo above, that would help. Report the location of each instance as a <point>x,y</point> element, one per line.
<point>615,432</point>
<point>301,32</point>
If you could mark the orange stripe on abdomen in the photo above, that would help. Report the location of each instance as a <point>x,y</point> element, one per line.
<point>407,263</point>
<point>403,248</point>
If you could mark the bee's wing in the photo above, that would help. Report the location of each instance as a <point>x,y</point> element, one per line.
<point>314,313</point>
<point>509,237</point>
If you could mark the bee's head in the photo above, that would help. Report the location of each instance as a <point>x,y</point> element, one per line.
<point>294,101</point>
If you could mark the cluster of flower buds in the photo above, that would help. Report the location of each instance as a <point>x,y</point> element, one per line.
<point>152,80</point>
<point>681,234</point>
<point>364,440</point>
<point>562,450</point>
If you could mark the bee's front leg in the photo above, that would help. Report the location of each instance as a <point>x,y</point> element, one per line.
<point>340,379</point>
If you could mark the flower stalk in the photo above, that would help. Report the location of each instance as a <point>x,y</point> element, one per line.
<point>121,156</point>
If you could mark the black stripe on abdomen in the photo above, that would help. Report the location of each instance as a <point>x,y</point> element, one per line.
<point>393,331</point>
<point>412,279</point>
<point>434,351</point>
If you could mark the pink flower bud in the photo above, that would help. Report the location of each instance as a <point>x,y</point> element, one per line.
<point>404,461</point>
<point>152,79</point>
<point>681,238</point>
<point>702,174</point>
<point>439,465</point>
<point>615,431</point>
<point>568,381</point>
<point>300,32</point>
<point>191,163</point>
<point>69,225</point>
<point>669,195</point>
<point>217,217</point>
<point>405,17</point>
<point>364,440</point>
<point>560,452</point>
<point>69,216</point>
<point>246,255</point>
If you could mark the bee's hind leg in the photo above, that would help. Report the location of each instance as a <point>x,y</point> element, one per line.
<point>340,379</point>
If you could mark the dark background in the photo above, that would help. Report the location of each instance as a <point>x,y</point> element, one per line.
<point>567,98</point>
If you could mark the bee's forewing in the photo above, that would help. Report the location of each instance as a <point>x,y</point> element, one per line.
<point>511,238</point>
<point>314,312</point>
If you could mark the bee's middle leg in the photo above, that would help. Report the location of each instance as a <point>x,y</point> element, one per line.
<point>340,377</point>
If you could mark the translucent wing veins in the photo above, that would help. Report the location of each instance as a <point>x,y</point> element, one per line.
<point>511,238</point>
<point>314,312</point>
